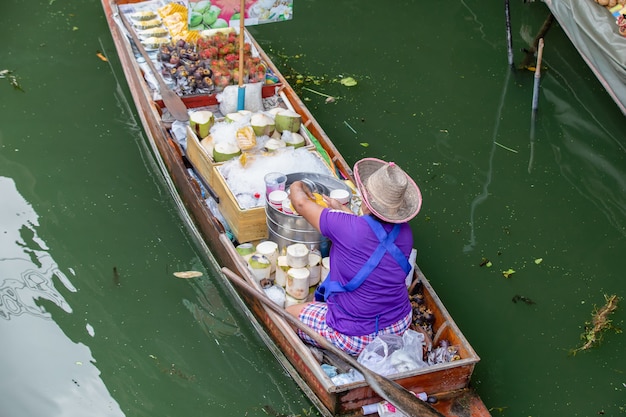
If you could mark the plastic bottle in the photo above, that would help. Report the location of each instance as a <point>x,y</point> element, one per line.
<point>386,409</point>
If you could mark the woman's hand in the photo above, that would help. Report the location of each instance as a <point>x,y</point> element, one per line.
<point>335,204</point>
<point>303,201</point>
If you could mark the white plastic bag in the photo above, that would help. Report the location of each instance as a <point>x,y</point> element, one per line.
<point>389,354</point>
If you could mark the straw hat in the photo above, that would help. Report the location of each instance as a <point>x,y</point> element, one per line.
<point>388,191</point>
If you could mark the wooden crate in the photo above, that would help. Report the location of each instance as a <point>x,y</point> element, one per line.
<point>203,161</point>
<point>247,225</point>
<point>199,157</point>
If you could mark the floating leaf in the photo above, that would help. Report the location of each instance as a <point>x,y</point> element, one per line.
<point>188,274</point>
<point>538,261</point>
<point>489,264</point>
<point>364,144</point>
<point>508,273</point>
<point>348,82</point>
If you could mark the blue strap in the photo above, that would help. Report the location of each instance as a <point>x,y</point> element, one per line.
<point>387,244</point>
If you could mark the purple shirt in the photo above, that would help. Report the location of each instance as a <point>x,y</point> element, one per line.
<point>383,294</point>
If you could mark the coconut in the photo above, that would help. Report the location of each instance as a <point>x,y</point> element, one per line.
<point>239,116</point>
<point>201,122</point>
<point>262,124</point>
<point>276,135</point>
<point>246,250</point>
<point>287,120</point>
<point>260,266</point>
<point>225,151</point>
<point>207,143</point>
<point>246,139</point>
<point>293,139</point>
<point>274,144</point>
<point>272,112</point>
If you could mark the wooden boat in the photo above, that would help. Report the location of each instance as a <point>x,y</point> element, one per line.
<point>187,171</point>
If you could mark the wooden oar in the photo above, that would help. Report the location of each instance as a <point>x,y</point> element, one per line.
<point>391,391</point>
<point>172,101</point>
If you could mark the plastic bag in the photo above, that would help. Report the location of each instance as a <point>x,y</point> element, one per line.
<point>389,354</point>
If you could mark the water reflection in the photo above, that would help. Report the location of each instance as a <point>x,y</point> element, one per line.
<point>480,198</point>
<point>44,372</point>
<point>585,153</point>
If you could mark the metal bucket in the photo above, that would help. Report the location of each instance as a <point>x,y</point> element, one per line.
<point>286,229</point>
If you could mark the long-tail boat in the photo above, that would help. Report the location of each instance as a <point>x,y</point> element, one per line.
<point>213,212</point>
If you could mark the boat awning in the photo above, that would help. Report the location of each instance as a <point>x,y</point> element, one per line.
<point>594,32</point>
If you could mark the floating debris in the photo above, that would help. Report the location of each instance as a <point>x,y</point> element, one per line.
<point>485,262</point>
<point>5,73</point>
<point>172,370</point>
<point>600,322</point>
<point>116,276</point>
<point>349,127</point>
<point>518,297</point>
<point>508,273</point>
<point>348,82</point>
<point>188,274</point>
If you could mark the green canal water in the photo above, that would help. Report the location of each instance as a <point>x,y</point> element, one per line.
<point>92,321</point>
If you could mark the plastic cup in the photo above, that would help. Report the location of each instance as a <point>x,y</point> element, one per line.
<point>341,195</point>
<point>274,181</point>
<point>276,198</point>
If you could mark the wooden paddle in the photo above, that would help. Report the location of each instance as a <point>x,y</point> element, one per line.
<point>391,391</point>
<point>172,101</point>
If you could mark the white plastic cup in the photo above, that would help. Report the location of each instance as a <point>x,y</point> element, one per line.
<point>275,199</point>
<point>287,207</point>
<point>341,195</point>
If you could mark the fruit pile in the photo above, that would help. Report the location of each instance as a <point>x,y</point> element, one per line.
<point>204,15</point>
<point>209,64</point>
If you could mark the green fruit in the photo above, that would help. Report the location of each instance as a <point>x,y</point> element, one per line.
<point>199,27</point>
<point>222,152</point>
<point>287,120</point>
<point>219,24</point>
<point>201,6</point>
<point>195,19</point>
<point>235,16</point>
<point>210,16</point>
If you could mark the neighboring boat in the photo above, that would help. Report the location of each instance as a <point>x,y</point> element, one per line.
<point>594,32</point>
<point>191,174</point>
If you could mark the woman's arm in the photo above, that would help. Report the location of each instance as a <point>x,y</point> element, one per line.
<point>304,203</point>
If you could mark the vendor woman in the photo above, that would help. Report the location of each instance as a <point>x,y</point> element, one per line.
<point>365,293</point>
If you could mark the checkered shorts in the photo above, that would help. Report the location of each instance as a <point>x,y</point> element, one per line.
<point>314,315</point>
